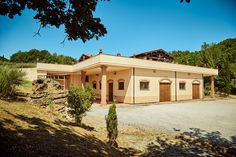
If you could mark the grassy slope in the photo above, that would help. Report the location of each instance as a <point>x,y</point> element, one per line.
<point>28,130</point>
<point>26,86</point>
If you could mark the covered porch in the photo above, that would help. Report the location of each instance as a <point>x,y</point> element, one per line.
<point>112,83</point>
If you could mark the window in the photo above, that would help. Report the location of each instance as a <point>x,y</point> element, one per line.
<point>100,85</point>
<point>121,85</point>
<point>182,85</point>
<point>87,79</point>
<point>94,85</point>
<point>61,77</point>
<point>144,85</point>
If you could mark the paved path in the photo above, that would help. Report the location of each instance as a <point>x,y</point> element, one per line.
<point>218,115</point>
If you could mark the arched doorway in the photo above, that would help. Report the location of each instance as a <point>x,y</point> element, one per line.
<point>165,90</point>
<point>195,90</point>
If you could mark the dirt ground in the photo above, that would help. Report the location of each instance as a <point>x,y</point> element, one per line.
<point>29,130</point>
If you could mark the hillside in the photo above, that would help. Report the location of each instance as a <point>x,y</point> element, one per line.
<point>28,130</point>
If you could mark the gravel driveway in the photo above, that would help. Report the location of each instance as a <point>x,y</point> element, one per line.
<point>218,115</point>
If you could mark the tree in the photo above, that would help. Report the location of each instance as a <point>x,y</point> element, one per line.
<point>216,55</point>
<point>3,59</point>
<point>76,16</point>
<point>80,100</point>
<point>112,123</point>
<point>34,55</point>
<point>186,57</point>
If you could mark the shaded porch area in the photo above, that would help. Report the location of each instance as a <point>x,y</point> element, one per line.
<point>110,82</point>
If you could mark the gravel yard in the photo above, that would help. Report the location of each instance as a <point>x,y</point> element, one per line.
<point>218,115</point>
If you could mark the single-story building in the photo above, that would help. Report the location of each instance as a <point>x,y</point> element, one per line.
<point>143,78</point>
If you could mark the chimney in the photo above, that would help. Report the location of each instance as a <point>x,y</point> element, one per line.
<point>118,54</point>
<point>100,51</point>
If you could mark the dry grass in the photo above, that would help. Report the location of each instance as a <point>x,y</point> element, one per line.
<point>26,86</point>
<point>28,130</point>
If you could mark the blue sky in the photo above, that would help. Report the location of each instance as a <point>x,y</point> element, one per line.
<point>133,26</point>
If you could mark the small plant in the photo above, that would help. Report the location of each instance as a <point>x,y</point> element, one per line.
<point>80,100</point>
<point>112,123</point>
<point>50,105</point>
<point>207,89</point>
<point>10,78</point>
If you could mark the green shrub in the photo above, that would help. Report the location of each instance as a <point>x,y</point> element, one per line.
<point>10,77</point>
<point>80,100</point>
<point>112,123</point>
<point>207,89</point>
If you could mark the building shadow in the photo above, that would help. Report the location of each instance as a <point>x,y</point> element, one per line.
<point>42,139</point>
<point>195,143</point>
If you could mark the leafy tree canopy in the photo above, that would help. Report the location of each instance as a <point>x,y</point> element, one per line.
<point>43,56</point>
<point>76,15</point>
<point>3,59</point>
<point>216,55</point>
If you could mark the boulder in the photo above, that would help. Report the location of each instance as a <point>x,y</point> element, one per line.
<point>58,95</point>
<point>47,91</point>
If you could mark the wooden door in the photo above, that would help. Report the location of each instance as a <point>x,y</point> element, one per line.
<point>195,91</point>
<point>164,92</point>
<point>111,91</point>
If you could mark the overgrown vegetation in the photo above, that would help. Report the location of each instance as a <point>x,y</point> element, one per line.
<point>221,56</point>
<point>80,100</point>
<point>3,59</point>
<point>112,123</point>
<point>25,86</point>
<point>10,77</point>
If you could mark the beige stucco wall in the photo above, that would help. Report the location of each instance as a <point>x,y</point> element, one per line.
<point>147,64</point>
<point>119,95</point>
<point>152,71</point>
<point>154,77</point>
<point>188,78</point>
<point>31,73</point>
<point>41,73</point>
<point>110,60</point>
<point>75,80</point>
<point>143,96</point>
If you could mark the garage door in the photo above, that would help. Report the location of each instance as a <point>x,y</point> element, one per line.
<point>196,91</point>
<point>164,92</point>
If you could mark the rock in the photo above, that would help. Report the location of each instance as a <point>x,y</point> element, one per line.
<point>48,91</point>
<point>38,95</point>
<point>22,94</point>
<point>41,102</point>
<point>59,101</point>
<point>58,95</point>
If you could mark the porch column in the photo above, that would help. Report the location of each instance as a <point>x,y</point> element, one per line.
<point>103,85</point>
<point>212,87</point>
<point>83,76</point>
